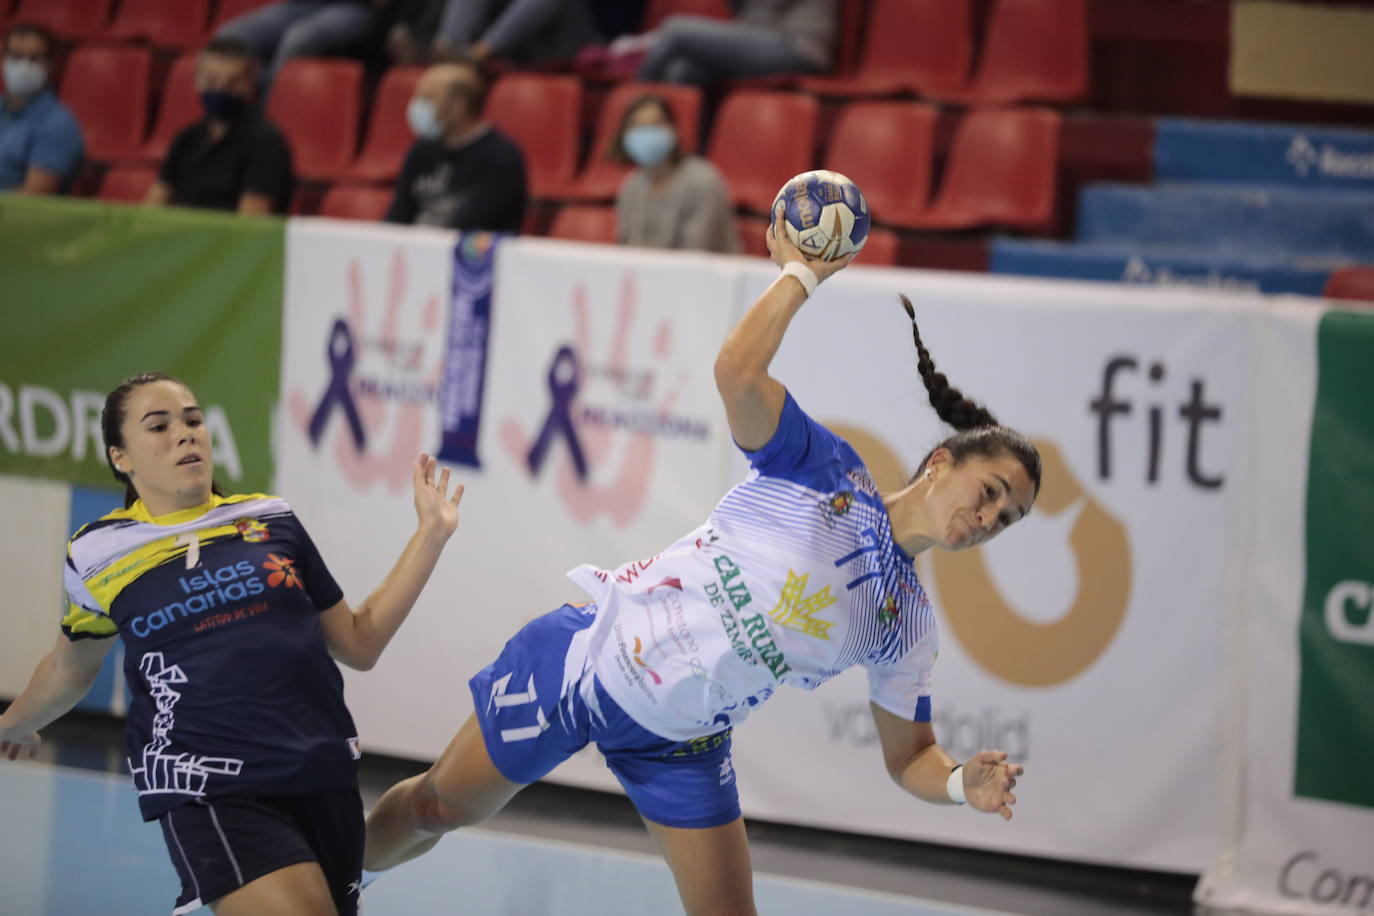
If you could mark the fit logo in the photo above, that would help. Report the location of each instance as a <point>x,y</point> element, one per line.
<point>1340,623</point>
<point>1002,641</point>
<point>1193,412</point>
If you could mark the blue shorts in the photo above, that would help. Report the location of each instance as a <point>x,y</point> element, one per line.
<point>538,704</point>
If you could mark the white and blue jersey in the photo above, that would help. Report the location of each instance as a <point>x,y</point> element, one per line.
<point>793,579</point>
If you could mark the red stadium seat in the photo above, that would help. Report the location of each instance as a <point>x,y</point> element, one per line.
<point>232,9</point>
<point>166,23</point>
<point>388,132</point>
<point>881,248</point>
<point>72,19</point>
<point>760,140</point>
<point>106,87</point>
<point>886,148</point>
<point>1001,171</point>
<point>583,223</point>
<point>909,46</point>
<point>659,10</point>
<point>601,178</point>
<point>129,184</point>
<point>1354,283</point>
<point>353,202</point>
<point>316,102</point>
<point>180,107</point>
<point>1034,49</point>
<point>542,114</point>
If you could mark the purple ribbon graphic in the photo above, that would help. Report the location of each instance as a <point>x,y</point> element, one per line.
<point>563,375</point>
<point>341,356</point>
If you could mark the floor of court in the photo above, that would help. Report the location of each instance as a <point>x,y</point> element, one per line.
<point>76,845</point>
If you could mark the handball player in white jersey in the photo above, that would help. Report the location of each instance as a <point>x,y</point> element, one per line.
<point>801,571</point>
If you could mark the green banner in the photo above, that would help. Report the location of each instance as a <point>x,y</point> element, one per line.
<point>93,293</point>
<point>1335,756</point>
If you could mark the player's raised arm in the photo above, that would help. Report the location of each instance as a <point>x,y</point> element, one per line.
<point>753,398</point>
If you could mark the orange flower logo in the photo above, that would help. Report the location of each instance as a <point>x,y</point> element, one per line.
<point>641,663</point>
<point>283,570</point>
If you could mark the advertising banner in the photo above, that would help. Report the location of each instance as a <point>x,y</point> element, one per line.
<point>95,293</point>
<point>1298,839</point>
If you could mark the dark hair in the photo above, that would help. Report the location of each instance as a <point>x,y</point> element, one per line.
<point>979,433</point>
<point>29,28</point>
<point>615,150</point>
<point>112,423</point>
<point>229,47</point>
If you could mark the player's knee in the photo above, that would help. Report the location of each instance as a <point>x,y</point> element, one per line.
<point>438,811</point>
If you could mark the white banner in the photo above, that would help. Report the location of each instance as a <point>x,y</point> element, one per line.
<point>1299,837</point>
<point>1088,640</point>
<point>601,439</point>
<point>1091,641</point>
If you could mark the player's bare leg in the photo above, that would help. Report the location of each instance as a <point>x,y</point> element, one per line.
<point>711,867</point>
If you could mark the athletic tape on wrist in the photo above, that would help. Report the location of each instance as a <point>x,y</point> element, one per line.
<point>803,274</point>
<point>954,785</point>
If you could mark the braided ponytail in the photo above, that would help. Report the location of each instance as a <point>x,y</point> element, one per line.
<point>949,402</point>
<point>979,433</point>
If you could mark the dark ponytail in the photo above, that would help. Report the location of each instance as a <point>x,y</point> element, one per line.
<point>979,433</point>
<point>112,426</point>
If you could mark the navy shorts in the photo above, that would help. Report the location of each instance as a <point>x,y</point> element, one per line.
<point>538,704</point>
<point>220,844</point>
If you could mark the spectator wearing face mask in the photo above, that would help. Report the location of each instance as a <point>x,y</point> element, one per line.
<point>670,200</point>
<point>460,173</point>
<point>40,140</point>
<point>233,158</point>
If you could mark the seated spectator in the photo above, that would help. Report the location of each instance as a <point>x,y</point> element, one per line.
<point>765,37</point>
<point>279,31</point>
<point>671,200</point>
<point>460,172</point>
<point>40,140</point>
<point>233,158</point>
<point>522,31</point>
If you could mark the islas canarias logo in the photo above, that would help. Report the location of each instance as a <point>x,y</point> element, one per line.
<point>1004,642</point>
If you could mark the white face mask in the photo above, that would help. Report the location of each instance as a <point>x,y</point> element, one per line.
<point>24,78</point>
<point>424,119</point>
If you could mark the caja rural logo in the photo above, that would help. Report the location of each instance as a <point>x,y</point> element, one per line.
<point>612,400</point>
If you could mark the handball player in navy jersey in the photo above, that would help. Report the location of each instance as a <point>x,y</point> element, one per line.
<point>238,739</point>
<point>800,572</point>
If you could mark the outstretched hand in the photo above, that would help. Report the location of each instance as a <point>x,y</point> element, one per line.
<point>988,781</point>
<point>13,747</point>
<point>782,249</point>
<point>437,511</point>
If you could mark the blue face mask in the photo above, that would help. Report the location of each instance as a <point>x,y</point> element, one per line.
<point>649,144</point>
<point>223,106</point>
<point>24,78</point>
<point>424,119</point>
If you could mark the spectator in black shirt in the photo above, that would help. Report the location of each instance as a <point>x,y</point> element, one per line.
<point>232,159</point>
<point>460,173</point>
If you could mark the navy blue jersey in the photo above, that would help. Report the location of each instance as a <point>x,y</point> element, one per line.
<point>234,691</point>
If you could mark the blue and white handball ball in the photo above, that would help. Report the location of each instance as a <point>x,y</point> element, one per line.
<point>826,214</point>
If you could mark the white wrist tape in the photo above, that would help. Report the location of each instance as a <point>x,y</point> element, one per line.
<point>955,785</point>
<point>803,274</point>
